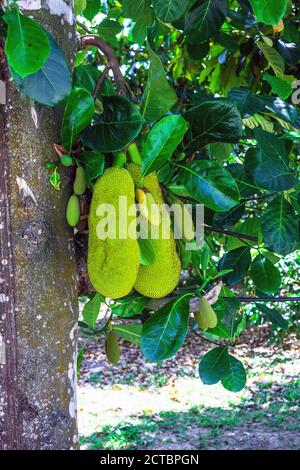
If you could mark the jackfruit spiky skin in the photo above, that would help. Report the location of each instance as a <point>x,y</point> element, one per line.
<point>162,277</point>
<point>113,263</point>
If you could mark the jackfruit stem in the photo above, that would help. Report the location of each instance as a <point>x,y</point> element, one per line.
<point>134,154</point>
<point>119,160</point>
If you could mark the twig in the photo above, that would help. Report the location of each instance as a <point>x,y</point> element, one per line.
<point>225,231</point>
<point>265,299</point>
<point>207,340</point>
<point>113,64</point>
<point>82,26</point>
<point>100,82</point>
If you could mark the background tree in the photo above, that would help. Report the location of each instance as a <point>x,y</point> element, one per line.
<point>200,92</point>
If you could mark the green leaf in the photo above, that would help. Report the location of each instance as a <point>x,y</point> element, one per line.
<point>147,251</point>
<point>130,306</point>
<point>239,260</point>
<point>204,20</point>
<point>86,76</point>
<point>272,170</point>
<point>27,45</point>
<point>165,331</point>
<point>214,121</point>
<point>108,29</point>
<point>120,123</point>
<point>217,365</point>
<point>158,97</point>
<point>134,10</point>
<point>161,142</point>
<point>280,226</point>
<point>91,10</point>
<point>78,114</point>
<point>281,85</point>
<point>47,86</point>
<point>210,184</point>
<point>220,151</point>
<point>79,6</point>
<point>252,227</point>
<point>273,315</point>
<point>91,310</point>
<point>235,380</point>
<point>214,365</point>
<point>273,57</point>
<point>170,10</point>
<point>93,165</point>
<point>131,333</point>
<point>247,102</point>
<point>80,357</point>
<point>269,12</point>
<point>265,275</point>
<point>55,180</point>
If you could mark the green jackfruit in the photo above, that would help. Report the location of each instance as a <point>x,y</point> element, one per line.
<point>160,278</point>
<point>113,262</point>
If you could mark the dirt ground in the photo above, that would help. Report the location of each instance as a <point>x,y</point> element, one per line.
<point>137,405</point>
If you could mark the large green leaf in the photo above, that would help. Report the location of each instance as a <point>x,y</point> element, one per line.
<point>239,261</point>
<point>247,102</point>
<point>265,275</point>
<point>134,10</point>
<point>280,226</point>
<point>217,365</point>
<point>273,315</point>
<point>165,331</point>
<point>161,142</point>
<point>268,11</point>
<point>235,380</point>
<point>204,20</point>
<point>27,45</point>
<point>91,310</point>
<point>273,57</point>
<point>272,170</point>
<point>158,97</point>
<point>47,86</point>
<point>210,184</point>
<point>281,85</point>
<point>170,10</point>
<point>78,114</point>
<point>214,121</point>
<point>214,365</point>
<point>131,333</point>
<point>147,251</point>
<point>120,123</point>
<point>93,165</point>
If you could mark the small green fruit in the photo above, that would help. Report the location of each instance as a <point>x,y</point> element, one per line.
<point>66,160</point>
<point>73,211</point>
<point>79,186</point>
<point>112,348</point>
<point>207,313</point>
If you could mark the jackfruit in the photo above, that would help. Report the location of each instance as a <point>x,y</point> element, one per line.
<point>147,206</point>
<point>73,211</point>
<point>160,278</point>
<point>207,313</point>
<point>113,260</point>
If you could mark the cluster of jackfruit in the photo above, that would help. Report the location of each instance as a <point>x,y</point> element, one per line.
<point>113,263</point>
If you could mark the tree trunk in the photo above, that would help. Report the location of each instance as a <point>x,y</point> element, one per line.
<point>38,284</point>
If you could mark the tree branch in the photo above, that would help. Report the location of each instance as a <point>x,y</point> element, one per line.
<point>230,233</point>
<point>113,63</point>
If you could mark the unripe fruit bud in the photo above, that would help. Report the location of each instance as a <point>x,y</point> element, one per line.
<point>112,347</point>
<point>207,313</point>
<point>66,160</point>
<point>73,211</point>
<point>200,320</point>
<point>79,186</point>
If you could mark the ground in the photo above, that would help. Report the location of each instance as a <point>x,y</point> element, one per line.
<point>138,405</point>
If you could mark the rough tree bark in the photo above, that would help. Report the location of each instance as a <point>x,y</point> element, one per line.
<point>38,298</point>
